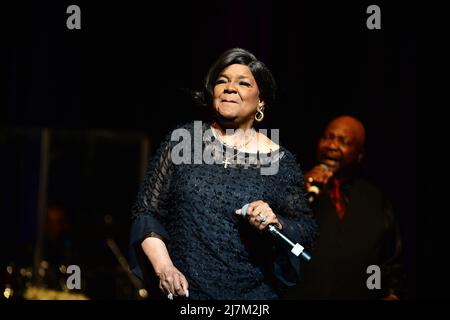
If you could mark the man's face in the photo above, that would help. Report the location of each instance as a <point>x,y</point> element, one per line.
<point>341,145</point>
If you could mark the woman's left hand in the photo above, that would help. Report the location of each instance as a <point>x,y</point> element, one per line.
<point>260,215</point>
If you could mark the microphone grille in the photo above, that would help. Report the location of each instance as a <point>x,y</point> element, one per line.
<point>315,189</point>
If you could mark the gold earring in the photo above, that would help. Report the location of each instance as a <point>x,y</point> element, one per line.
<point>259,115</point>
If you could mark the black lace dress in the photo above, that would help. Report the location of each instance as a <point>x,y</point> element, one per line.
<point>192,207</point>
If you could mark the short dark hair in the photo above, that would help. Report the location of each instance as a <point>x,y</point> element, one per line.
<point>263,76</point>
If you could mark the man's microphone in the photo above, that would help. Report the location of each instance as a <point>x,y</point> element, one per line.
<point>297,248</point>
<point>314,189</point>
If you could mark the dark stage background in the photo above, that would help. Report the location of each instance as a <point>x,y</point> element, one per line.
<point>108,92</point>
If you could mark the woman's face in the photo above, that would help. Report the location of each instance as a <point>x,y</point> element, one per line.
<point>236,94</point>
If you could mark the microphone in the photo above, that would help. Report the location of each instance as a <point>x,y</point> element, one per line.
<point>297,249</point>
<point>314,189</point>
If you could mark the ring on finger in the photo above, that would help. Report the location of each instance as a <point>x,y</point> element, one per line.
<point>261,217</point>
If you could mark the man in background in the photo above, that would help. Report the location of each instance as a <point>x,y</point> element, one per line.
<point>356,223</point>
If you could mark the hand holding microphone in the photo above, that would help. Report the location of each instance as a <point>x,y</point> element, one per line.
<point>262,217</point>
<point>316,178</point>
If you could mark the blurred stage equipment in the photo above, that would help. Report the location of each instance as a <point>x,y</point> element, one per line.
<point>138,285</point>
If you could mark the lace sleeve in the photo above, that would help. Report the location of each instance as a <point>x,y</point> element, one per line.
<point>298,224</point>
<point>297,218</point>
<point>151,206</point>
